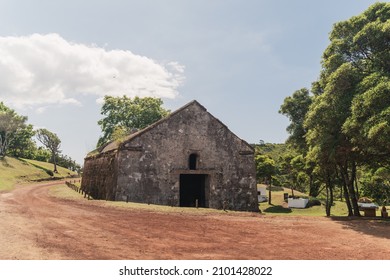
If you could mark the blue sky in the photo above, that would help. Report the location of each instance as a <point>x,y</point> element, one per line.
<point>240,59</point>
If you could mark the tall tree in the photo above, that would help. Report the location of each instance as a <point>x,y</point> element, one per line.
<point>122,114</point>
<point>51,141</point>
<point>354,104</point>
<point>348,122</point>
<point>265,169</point>
<point>328,143</point>
<point>22,144</point>
<point>10,124</point>
<point>295,107</point>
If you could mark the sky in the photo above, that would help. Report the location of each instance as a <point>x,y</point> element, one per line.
<point>238,58</point>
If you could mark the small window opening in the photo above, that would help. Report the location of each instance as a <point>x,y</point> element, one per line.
<point>193,160</point>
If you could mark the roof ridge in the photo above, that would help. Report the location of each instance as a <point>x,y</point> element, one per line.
<point>130,137</point>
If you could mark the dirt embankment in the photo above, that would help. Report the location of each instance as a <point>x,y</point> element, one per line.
<point>35,225</point>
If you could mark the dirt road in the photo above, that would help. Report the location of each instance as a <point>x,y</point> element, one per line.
<point>35,225</point>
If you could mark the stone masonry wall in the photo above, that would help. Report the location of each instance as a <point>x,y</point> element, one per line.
<point>100,176</point>
<point>149,165</point>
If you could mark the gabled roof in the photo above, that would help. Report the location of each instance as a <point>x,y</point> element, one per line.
<point>113,145</point>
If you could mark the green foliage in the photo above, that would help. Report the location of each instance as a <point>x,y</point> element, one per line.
<point>268,152</point>
<point>122,114</point>
<point>375,184</point>
<point>265,168</point>
<point>11,126</point>
<point>295,107</point>
<point>68,162</point>
<point>22,145</point>
<point>346,123</point>
<point>369,123</point>
<point>16,140</point>
<point>41,154</point>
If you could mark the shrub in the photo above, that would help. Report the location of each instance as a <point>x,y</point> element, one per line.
<point>50,173</point>
<point>313,202</point>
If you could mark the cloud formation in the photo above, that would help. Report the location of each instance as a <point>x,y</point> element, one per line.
<point>39,70</point>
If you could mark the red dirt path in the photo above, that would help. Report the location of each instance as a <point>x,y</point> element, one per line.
<point>35,225</point>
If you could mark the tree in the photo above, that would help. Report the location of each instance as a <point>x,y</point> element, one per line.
<point>328,144</point>
<point>123,114</point>
<point>10,124</point>
<point>21,144</point>
<point>265,169</point>
<point>50,141</point>
<point>42,154</point>
<point>355,96</point>
<point>295,107</point>
<point>347,124</point>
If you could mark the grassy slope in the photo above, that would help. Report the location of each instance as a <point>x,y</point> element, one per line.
<point>14,171</point>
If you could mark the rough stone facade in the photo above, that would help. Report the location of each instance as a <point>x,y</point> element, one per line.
<point>186,159</point>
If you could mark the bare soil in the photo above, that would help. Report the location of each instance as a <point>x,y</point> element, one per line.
<point>36,225</point>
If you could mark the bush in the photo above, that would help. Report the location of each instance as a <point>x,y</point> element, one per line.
<point>50,173</point>
<point>313,202</point>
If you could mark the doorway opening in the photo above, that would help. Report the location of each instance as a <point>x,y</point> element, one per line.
<point>194,189</point>
<point>193,161</point>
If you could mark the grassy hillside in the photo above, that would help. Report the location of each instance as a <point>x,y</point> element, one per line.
<point>14,171</point>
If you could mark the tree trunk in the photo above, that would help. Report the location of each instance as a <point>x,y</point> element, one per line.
<point>329,194</point>
<point>54,161</point>
<point>313,191</point>
<point>356,186</point>
<point>3,145</point>
<point>346,192</point>
<point>327,206</point>
<point>351,188</point>
<point>347,201</point>
<point>269,193</point>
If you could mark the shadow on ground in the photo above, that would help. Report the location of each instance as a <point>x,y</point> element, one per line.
<point>277,209</point>
<point>372,226</point>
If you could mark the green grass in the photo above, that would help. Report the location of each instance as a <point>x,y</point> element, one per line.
<point>62,191</point>
<point>46,166</point>
<point>17,171</point>
<point>279,207</point>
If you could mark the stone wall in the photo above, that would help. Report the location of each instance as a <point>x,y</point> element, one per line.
<point>100,175</point>
<point>150,165</point>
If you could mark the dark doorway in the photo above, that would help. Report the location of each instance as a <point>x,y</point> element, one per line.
<point>192,188</point>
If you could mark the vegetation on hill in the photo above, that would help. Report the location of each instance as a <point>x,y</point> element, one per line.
<point>17,140</point>
<point>17,171</point>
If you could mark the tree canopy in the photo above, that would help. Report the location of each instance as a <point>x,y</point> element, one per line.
<point>345,122</point>
<point>51,141</point>
<point>11,124</point>
<point>122,114</point>
<point>17,140</point>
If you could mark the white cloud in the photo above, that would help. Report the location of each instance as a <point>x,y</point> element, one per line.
<point>39,70</point>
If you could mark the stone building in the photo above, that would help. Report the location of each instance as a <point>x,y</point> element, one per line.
<point>186,158</point>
